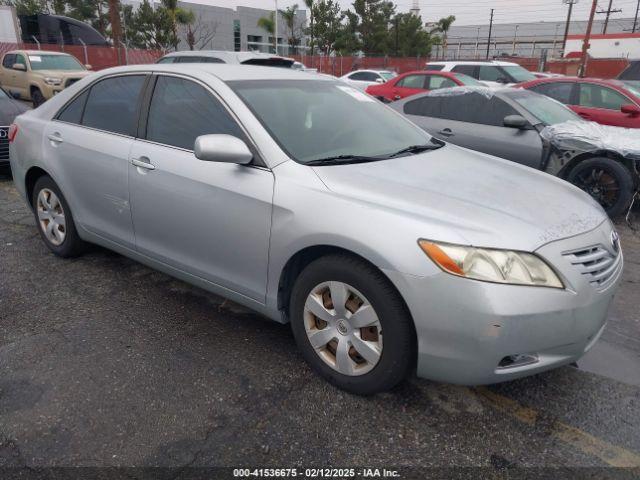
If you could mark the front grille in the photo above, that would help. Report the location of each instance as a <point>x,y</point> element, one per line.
<point>596,263</point>
<point>4,143</point>
<point>70,82</point>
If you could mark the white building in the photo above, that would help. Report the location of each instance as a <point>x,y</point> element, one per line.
<point>613,45</point>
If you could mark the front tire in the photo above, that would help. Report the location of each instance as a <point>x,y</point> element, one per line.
<point>351,325</point>
<point>607,181</point>
<point>54,219</point>
<point>37,98</point>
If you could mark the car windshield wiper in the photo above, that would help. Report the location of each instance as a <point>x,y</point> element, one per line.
<point>417,149</point>
<point>342,159</point>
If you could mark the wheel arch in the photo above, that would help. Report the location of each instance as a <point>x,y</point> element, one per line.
<point>303,257</point>
<point>626,162</point>
<point>30,179</point>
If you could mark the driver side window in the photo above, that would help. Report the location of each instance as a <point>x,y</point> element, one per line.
<point>490,73</point>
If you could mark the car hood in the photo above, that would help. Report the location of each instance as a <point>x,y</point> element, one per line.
<point>9,110</point>
<point>470,198</point>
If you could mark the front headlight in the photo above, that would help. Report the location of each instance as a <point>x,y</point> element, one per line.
<point>52,81</point>
<point>491,265</point>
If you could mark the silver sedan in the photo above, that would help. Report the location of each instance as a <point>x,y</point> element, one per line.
<point>312,203</point>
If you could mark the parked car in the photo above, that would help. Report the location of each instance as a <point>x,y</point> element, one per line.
<point>494,74</point>
<point>361,79</point>
<point>609,102</point>
<point>312,203</point>
<point>631,75</point>
<point>519,125</point>
<point>411,83</point>
<point>234,58</point>
<point>9,110</point>
<point>38,75</point>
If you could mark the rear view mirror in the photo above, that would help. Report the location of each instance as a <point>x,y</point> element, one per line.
<point>222,148</point>
<point>630,109</point>
<point>502,80</point>
<point>20,67</point>
<point>515,121</point>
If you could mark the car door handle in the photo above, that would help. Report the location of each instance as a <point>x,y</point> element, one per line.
<point>55,138</point>
<point>143,162</point>
<point>447,132</point>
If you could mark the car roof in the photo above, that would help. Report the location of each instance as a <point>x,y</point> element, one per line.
<point>238,57</point>
<point>476,62</point>
<point>611,82</point>
<point>223,71</point>
<point>38,52</point>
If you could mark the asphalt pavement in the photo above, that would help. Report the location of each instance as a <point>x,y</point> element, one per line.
<point>105,362</point>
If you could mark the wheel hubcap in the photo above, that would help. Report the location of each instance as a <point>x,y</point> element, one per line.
<point>51,216</point>
<point>343,328</point>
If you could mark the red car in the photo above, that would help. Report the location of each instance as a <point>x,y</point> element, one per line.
<point>419,81</point>
<point>609,102</point>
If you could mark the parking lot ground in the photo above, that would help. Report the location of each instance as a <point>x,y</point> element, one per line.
<point>104,362</point>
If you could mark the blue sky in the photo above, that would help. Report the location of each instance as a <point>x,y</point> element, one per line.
<point>472,11</point>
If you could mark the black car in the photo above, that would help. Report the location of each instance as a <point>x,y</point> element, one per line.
<point>536,131</point>
<point>9,109</point>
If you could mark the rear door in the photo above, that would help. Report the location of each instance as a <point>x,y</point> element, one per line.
<point>208,219</point>
<point>476,122</point>
<point>88,145</point>
<point>601,104</point>
<point>562,91</point>
<point>409,85</point>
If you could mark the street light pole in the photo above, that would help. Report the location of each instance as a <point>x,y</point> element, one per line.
<point>566,30</point>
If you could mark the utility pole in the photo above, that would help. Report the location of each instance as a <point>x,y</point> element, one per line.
<point>490,28</point>
<point>515,38</point>
<point>585,44</point>
<point>116,29</point>
<point>397,33</point>
<point>275,28</point>
<point>635,20</point>
<point>566,30</point>
<point>608,13</point>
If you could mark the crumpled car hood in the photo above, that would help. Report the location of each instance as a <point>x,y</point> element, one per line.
<point>469,197</point>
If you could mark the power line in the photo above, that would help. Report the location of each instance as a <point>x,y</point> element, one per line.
<point>608,13</point>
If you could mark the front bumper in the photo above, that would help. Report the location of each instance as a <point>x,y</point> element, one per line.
<point>465,328</point>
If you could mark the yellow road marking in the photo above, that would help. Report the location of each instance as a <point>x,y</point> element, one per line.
<point>583,441</point>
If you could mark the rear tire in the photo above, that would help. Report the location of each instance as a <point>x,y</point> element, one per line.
<point>373,311</point>
<point>54,219</point>
<point>37,98</point>
<point>608,181</point>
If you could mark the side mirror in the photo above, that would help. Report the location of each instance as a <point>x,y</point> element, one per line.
<point>20,67</point>
<point>630,109</point>
<point>379,80</point>
<point>88,66</point>
<point>515,121</point>
<point>222,148</point>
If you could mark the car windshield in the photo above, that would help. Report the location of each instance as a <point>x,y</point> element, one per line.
<point>388,75</point>
<point>519,74</point>
<point>54,62</point>
<point>314,120</point>
<point>467,80</point>
<point>545,109</point>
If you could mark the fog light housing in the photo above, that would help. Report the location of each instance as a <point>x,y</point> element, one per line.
<point>519,360</point>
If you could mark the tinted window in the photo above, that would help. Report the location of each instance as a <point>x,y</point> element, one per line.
<point>560,91</point>
<point>8,60</point>
<point>596,96</point>
<point>112,104</point>
<point>474,108</point>
<point>435,68</point>
<point>199,60</point>
<point>435,82</point>
<point>73,111</point>
<point>424,107</point>
<point>496,111</point>
<point>491,73</point>
<point>412,81</point>
<point>364,76</point>
<point>466,69</point>
<point>166,60</point>
<point>182,110</point>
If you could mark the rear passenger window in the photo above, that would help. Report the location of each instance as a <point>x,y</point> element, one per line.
<point>113,104</point>
<point>424,107</point>
<point>466,69</point>
<point>72,113</point>
<point>412,81</point>
<point>560,91</point>
<point>182,110</point>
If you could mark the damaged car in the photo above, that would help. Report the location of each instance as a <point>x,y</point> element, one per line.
<point>536,131</point>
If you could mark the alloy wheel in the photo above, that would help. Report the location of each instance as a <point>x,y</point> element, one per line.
<point>601,185</point>
<point>343,328</point>
<point>51,216</point>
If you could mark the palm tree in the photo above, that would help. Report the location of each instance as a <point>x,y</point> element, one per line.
<point>269,24</point>
<point>309,5</point>
<point>289,17</point>
<point>443,25</point>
